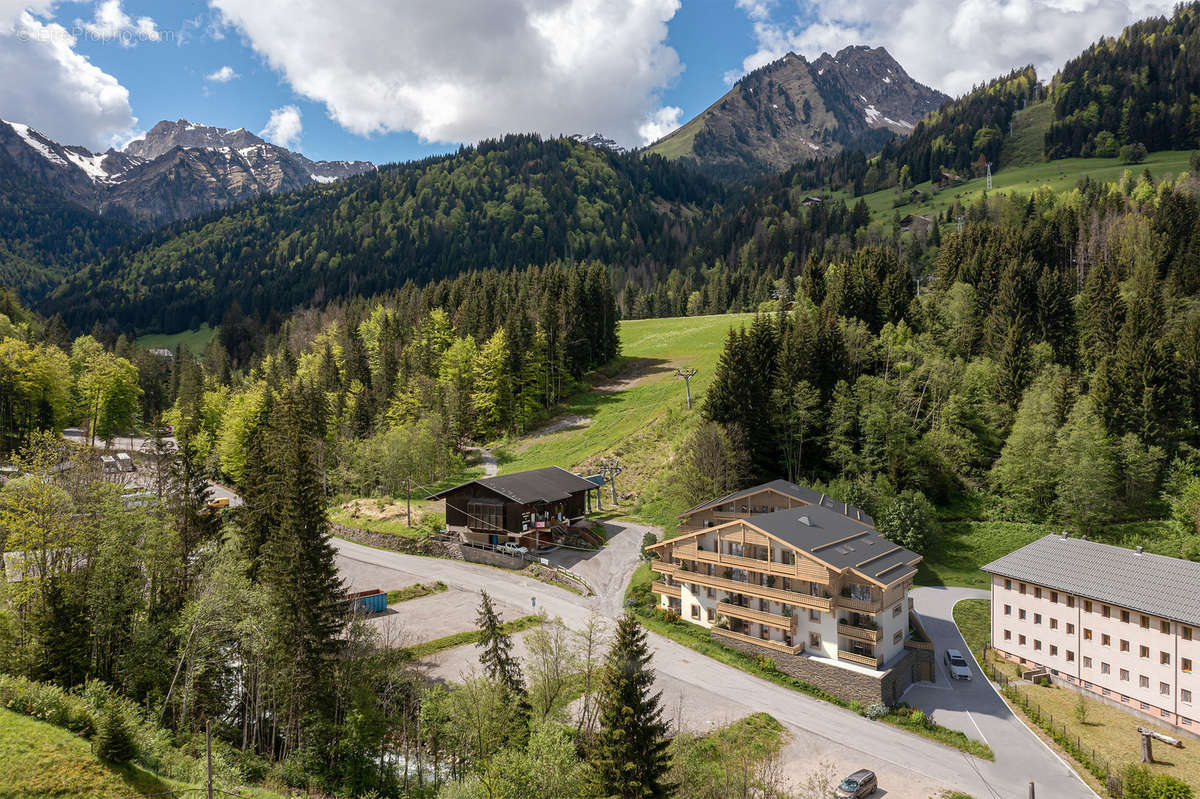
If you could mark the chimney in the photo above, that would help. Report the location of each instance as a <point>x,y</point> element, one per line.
<point>805,521</point>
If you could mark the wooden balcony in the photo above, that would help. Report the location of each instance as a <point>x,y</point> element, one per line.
<point>852,657</point>
<point>918,645</point>
<point>778,646</point>
<point>801,569</point>
<point>860,605</point>
<point>663,567</point>
<point>860,633</point>
<point>760,616</point>
<point>749,589</point>
<point>666,590</point>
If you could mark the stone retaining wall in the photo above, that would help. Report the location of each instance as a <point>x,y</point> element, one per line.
<point>397,543</point>
<point>843,683</point>
<point>492,558</point>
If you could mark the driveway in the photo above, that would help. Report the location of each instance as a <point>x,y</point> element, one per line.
<point>607,569</point>
<point>700,692</point>
<point>976,708</point>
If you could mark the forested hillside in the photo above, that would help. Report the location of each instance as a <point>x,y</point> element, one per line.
<point>515,202</point>
<point>1137,88</point>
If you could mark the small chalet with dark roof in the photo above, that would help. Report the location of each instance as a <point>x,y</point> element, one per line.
<point>530,508</point>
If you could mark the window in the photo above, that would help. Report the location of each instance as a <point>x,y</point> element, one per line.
<point>1037,593</point>
<point>1185,665</point>
<point>814,640</point>
<point>1070,628</point>
<point>1053,650</point>
<point>1021,614</point>
<point>1186,632</point>
<point>814,615</point>
<point>1022,588</point>
<point>1164,689</point>
<point>1054,597</point>
<point>1165,626</point>
<point>1037,618</point>
<point>1125,616</point>
<point>1164,658</point>
<point>1070,656</point>
<point>695,611</point>
<point>1070,601</point>
<point>1008,610</point>
<point>1021,640</point>
<point>1104,669</point>
<point>1008,635</point>
<point>1185,696</point>
<point>710,613</point>
<point>1037,645</point>
<point>1145,622</point>
<point>1144,651</point>
<point>1054,624</point>
<point>1143,681</point>
<point>1125,675</point>
<point>896,610</point>
<point>897,636</point>
<point>1087,662</point>
<point>1124,645</point>
<point>1105,640</point>
<point>1008,585</point>
<point>710,593</point>
<point>1106,611</point>
<point>1087,606</point>
<point>1087,634</point>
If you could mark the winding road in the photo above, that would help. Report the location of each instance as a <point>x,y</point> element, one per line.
<point>702,692</point>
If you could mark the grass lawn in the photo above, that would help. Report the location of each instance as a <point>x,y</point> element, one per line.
<point>643,423</point>
<point>196,340</point>
<point>974,620</point>
<point>469,637</point>
<point>415,591</point>
<point>384,515</point>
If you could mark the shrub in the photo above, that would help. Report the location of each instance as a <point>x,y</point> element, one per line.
<point>908,521</point>
<point>876,710</point>
<point>47,703</point>
<point>114,739</point>
<point>1133,153</point>
<point>649,539</point>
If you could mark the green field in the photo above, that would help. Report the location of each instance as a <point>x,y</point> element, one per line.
<point>196,340</point>
<point>645,421</point>
<point>1060,176</point>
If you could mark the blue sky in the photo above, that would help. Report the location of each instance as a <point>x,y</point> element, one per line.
<point>388,80</point>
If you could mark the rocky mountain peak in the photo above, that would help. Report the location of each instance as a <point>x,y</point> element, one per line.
<point>165,136</point>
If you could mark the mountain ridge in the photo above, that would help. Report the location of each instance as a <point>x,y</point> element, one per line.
<point>793,109</point>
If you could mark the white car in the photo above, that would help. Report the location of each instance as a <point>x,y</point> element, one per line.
<point>959,670</point>
<point>509,548</point>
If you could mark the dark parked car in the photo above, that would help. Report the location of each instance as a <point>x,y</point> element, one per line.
<point>860,783</point>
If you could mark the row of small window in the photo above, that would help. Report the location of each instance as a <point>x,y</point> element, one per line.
<point>1146,705</point>
<point>1037,619</point>
<point>1105,610</point>
<point>1164,658</point>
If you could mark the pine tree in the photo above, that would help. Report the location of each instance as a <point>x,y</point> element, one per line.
<point>496,648</point>
<point>630,759</point>
<point>114,742</point>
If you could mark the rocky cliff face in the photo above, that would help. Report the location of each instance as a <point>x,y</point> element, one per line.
<point>178,170</point>
<point>791,110</point>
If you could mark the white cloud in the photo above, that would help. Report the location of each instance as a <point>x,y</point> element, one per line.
<point>283,128</point>
<point>951,45</point>
<point>55,89</point>
<point>222,75</point>
<point>659,124</point>
<point>112,23</point>
<point>462,71</point>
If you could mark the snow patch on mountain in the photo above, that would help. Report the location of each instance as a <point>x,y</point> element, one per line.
<point>34,140</point>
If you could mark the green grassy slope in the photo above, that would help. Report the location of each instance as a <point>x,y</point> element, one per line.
<point>196,340</point>
<point>41,760</point>
<point>1057,175</point>
<point>643,422</point>
<point>1027,142</point>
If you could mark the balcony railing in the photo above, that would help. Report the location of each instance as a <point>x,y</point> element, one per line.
<point>749,589</point>
<point>778,646</point>
<point>854,657</point>
<point>859,633</point>
<point>666,590</point>
<point>921,645</point>
<point>860,605</point>
<point>774,567</point>
<point>750,614</point>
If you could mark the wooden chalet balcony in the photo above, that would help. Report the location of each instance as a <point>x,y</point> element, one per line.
<point>859,633</point>
<point>865,660</point>
<point>920,645</point>
<point>796,570</point>
<point>659,587</point>
<point>749,589</point>
<point>778,646</point>
<point>860,605</point>
<point>750,614</point>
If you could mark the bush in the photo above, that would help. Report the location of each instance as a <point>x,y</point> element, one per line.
<point>1133,153</point>
<point>1139,782</point>
<point>908,521</point>
<point>649,539</point>
<point>47,703</point>
<point>875,711</point>
<point>114,739</point>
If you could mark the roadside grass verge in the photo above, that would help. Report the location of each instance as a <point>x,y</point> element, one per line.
<point>428,648</point>
<point>974,620</point>
<point>415,591</point>
<point>697,639</point>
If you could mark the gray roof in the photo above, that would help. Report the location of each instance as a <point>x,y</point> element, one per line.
<point>551,484</point>
<point>840,541</point>
<point>1152,584</point>
<point>802,493</point>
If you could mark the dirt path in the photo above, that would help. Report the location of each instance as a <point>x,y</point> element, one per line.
<point>487,460</point>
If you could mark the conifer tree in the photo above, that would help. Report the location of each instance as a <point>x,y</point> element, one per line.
<point>630,759</point>
<point>495,647</point>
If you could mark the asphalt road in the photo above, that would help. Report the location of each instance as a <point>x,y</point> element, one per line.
<point>974,706</point>
<point>707,691</point>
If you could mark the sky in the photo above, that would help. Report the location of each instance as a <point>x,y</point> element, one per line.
<point>393,80</point>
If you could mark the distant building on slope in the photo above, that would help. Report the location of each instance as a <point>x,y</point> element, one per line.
<point>1120,623</point>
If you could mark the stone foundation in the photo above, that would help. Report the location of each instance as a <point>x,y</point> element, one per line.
<point>883,687</point>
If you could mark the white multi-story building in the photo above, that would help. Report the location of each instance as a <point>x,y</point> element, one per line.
<point>1122,623</point>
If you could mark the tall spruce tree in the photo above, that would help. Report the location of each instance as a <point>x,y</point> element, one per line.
<point>630,759</point>
<point>495,647</point>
